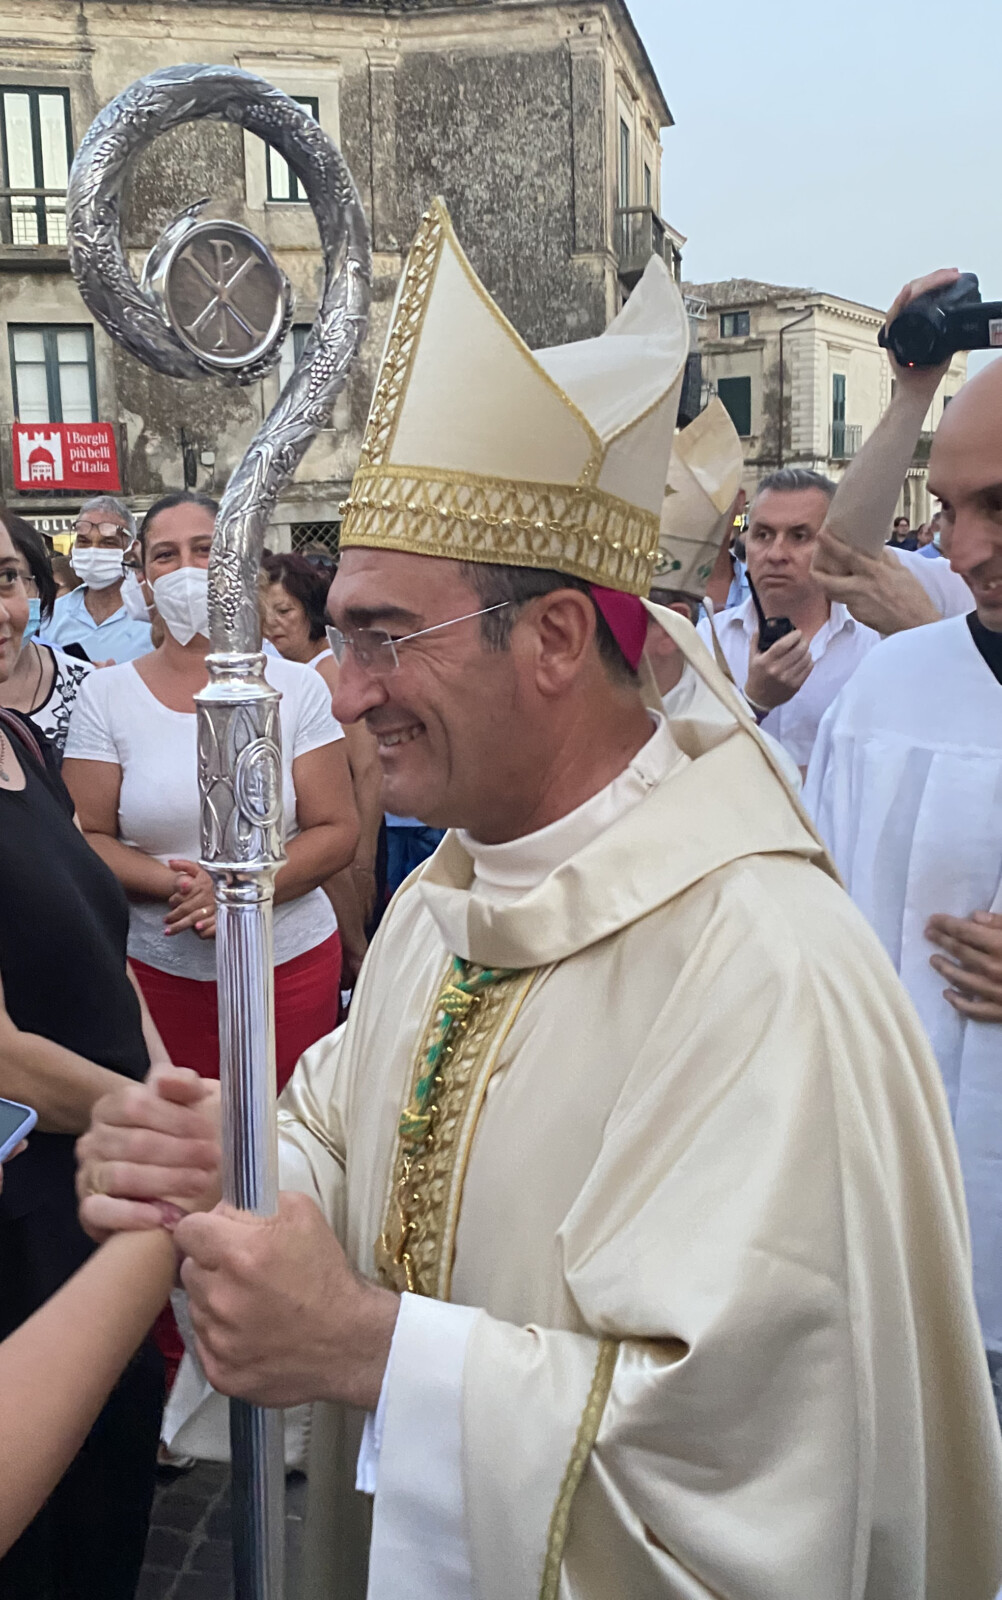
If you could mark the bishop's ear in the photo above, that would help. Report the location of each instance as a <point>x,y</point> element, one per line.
<point>559,631</point>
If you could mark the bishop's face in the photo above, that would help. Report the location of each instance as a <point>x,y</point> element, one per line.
<point>454,733</point>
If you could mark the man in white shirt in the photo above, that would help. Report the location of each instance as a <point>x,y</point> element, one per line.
<point>607,1193</point>
<point>906,779</point>
<point>790,685</point>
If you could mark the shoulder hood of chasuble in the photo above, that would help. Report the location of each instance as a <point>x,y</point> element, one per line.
<point>704,476</point>
<point>479,449</point>
<point>725,798</point>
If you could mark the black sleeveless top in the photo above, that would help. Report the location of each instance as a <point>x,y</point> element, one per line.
<point>64,922</point>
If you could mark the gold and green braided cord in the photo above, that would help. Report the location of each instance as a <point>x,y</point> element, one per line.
<point>459,997</point>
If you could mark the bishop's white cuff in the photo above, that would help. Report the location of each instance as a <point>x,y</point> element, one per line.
<point>411,1458</point>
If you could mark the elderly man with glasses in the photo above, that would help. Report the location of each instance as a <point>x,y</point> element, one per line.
<point>98,618</point>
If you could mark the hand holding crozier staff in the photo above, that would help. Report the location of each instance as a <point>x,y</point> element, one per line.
<point>213,303</point>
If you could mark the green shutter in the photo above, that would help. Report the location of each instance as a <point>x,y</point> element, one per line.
<point>838,396</point>
<point>735,395</point>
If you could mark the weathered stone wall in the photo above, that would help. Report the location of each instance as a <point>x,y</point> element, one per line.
<point>189,163</point>
<point>492,134</point>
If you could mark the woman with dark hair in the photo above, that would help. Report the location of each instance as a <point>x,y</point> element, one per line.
<point>66,578</point>
<point>131,766</point>
<point>294,616</point>
<point>44,682</point>
<point>71,1024</point>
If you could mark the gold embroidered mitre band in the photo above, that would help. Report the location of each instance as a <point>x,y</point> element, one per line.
<point>480,449</point>
<point>704,477</point>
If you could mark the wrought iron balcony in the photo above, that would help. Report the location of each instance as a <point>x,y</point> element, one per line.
<point>923,445</point>
<point>31,217</point>
<point>640,234</point>
<point>846,440</point>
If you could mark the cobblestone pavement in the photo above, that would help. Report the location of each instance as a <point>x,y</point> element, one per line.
<point>188,1551</point>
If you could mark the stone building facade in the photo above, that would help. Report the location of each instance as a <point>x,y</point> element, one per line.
<point>831,389</point>
<point>539,122</point>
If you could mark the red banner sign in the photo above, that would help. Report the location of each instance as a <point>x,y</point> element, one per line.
<point>65,455</point>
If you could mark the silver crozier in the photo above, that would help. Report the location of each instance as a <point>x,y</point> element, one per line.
<point>212,302</point>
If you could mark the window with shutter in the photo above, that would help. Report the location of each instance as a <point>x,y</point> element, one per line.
<point>735,395</point>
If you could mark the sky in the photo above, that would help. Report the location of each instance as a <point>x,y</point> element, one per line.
<point>847,146</point>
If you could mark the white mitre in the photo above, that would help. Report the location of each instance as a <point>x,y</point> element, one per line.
<point>703,480</point>
<point>479,449</point>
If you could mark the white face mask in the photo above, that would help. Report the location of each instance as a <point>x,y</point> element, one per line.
<point>182,599</point>
<point>134,600</point>
<point>97,569</point>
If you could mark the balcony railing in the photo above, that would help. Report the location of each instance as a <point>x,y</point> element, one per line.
<point>923,446</point>
<point>640,234</point>
<point>30,217</point>
<point>846,440</point>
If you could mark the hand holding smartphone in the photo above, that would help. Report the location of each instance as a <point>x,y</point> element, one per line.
<point>770,629</point>
<point>16,1122</point>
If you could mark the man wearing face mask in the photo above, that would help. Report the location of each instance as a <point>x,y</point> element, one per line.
<point>107,617</point>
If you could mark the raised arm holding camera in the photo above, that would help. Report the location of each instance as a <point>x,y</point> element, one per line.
<point>890,589</point>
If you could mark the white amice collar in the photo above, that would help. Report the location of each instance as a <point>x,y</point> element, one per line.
<point>504,871</point>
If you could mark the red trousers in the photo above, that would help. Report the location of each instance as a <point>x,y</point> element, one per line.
<point>186,1012</point>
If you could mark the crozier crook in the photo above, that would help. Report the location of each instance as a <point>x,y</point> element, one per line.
<point>213,303</point>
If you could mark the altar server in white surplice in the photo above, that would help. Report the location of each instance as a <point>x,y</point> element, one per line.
<point>906,787</point>
<point>629,1258</point>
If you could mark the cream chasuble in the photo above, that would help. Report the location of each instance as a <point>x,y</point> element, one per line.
<point>692,1173</point>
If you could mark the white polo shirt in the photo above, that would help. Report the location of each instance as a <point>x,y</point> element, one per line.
<point>836,650</point>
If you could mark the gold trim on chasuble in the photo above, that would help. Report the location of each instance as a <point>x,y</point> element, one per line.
<point>574,528</point>
<point>584,1443</point>
<point>470,1021</point>
<point>459,1052</point>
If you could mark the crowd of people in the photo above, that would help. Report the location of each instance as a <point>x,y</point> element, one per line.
<point>632,1179</point>
<point>98,729</point>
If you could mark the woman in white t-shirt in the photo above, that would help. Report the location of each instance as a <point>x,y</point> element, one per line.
<point>131,766</point>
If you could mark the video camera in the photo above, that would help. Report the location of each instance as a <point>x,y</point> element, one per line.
<point>938,324</point>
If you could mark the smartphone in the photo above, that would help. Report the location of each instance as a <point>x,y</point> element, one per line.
<point>770,629</point>
<point>16,1122</point>
<point>75,650</point>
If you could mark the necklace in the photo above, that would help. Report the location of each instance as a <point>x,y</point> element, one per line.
<point>41,664</point>
<point>4,774</point>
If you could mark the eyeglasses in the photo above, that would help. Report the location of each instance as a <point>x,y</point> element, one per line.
<point>376,651</point>
<point>107,530</point>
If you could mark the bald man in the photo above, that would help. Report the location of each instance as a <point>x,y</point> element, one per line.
<point>906,787</point>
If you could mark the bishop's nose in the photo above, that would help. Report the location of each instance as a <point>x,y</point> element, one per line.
<point>357,691</point>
